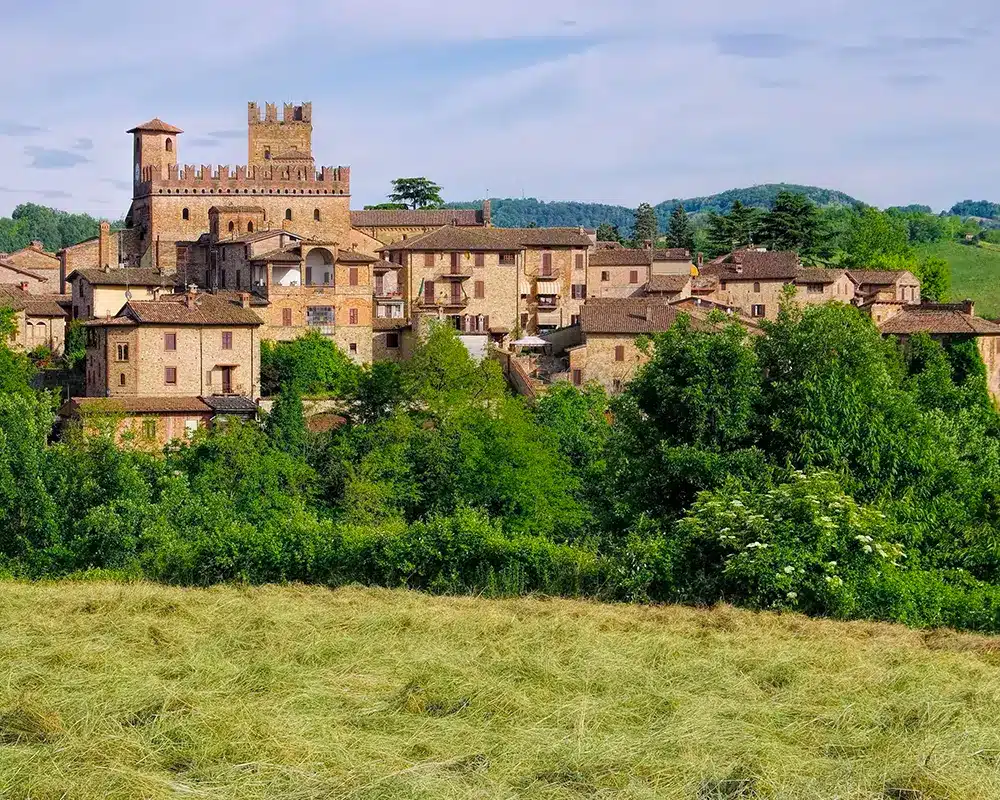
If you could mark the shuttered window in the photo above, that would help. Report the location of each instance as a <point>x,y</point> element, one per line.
<point>480,259</point>
<point>480,289</point>
<point>620,352</point>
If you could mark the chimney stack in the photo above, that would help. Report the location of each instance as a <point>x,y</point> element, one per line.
<point>24,286</point>
<point>969,307</point>
<point>37,245</point>
<point>104,246</point>
<point>701,259</point>
<point>649,313</point>
<point>244,300</point>
<point>487,214</point>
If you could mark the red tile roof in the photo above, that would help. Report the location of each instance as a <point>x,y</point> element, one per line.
<point>37,275</point>
<point>603,244</point>
<point>182,309</point>
<point>155,125</point>
<point>754,265</point>
<point>939,318</point>
<point>454,237</point>
<point>33,305</point>
<point>132,276</point>
<point>667,284</point>
<point>672,254</point>
<point>354,257</point>
<point>621,258</point>
<point>409,218</point>
<point>134,405</point>
<point>818,275</point>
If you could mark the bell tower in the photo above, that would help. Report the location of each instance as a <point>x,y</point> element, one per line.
<point>154,145</point>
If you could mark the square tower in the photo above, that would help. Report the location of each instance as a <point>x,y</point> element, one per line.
<point>287,141</point>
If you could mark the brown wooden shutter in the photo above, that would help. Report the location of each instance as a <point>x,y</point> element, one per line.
<point>286,317</point>
<point>480,289</point>
<point>480,259</point>
<point>309,276</point>
<point>579,260</point>
<point>379,283</point>
<point>354,276</point>
<point>620,352</point>
<point>429,292</point>
<point>633,276</point>
<point>428,259</point>
<point>456,292</point>
<point>546,263</point>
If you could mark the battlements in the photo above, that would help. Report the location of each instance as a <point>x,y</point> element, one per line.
<point>222,179</point>
<point>290,114</point>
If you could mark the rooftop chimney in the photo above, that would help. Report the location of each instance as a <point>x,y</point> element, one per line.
<point>37,245</point>
<point>701,259</point>
<point>103,246</point>
<point>649,313</point>
<point>969,307</point>
<point>24,286</point>
<point>244,300</point>
<point>189,299</point>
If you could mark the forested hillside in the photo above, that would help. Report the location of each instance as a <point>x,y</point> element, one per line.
<point>55,229</point>
<point>517,213</point>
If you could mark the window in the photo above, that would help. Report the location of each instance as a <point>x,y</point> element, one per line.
<point>149,428</point>
<point>267,153</point>
<point>352,316</point>
<point>546,263</point>
<point>249,227</point>
<point>722,285</point>
<point>577,377</point>
<point>121,379</point>
<point>316,315</point>
<point>508,258</point>
<point>456,260</point>
<point>756,287</point>
<point>286,317</point>
<point>169,145</point>
<point>616,385</point>
<point>316,214</point>
<point>480,290</point>
<point>353,276</point>
<point>816,288</point>
<point>579,260</point>
<point>756,311</point>
<point>605,276</point>
<point>227,340</point>
<point>237,279</point>
<point>633,276</point>
<point>222,279</point>
<point>288,214</point>
<point>170,376</point>
<point>428,259</point>
<point>480,259</point>
<point>524,322</point>
<point>170,341</point>
<point>352,348</point>
<point>123,352</point>
<point>185,214</point>
<point>190,426</point>
<point>578,291</point>
<point>232,227</point>
<point>619,352</point>
<point>392,341</point>
<point>574,319</point>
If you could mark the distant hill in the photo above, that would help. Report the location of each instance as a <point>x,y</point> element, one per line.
<point>516,213</point>
<point>976,208</point>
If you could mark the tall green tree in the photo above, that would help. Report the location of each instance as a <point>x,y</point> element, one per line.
<point>647,227</point>
<point>416,193</point>
<point>794,223</point>
<point>606,232</point>
<point>286,424</point>
<point>875,234</point>
<point>740,227</point>
<point>935,279</point>
<point>680,232</point>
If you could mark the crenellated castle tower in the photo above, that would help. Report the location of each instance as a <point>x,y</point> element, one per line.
<point>170,203</point>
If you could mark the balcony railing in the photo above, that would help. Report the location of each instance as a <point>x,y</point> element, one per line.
<point>236,389</point>
<point>449,301</point>
<point>460,273</point>
<point>547,303</point>
<point>388,294</point>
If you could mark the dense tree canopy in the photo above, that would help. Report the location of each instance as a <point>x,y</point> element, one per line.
<point>416,193</point>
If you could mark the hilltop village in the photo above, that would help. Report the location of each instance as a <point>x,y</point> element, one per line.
<point>215,259</point>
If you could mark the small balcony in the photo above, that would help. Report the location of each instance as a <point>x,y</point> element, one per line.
<point>548,302</point>
<point>388,294</point>
<point>444,301</point>
<point>457,273</point>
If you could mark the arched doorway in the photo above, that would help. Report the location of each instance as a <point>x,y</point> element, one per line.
<point>319,267</point>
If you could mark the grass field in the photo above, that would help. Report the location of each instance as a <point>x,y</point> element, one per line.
<point>139,691</point>
<point>975,273</point>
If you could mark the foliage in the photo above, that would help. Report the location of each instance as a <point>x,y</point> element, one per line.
<point>976,208</point>
<point>387,207</point>
<point>311,365</point>
<point>54,229</point>
<point>75,347</point>
<point>16,369</point>
<point>935,278</point>
<point>794,223</point>
<point>740,227</point>
<point>416,193</point>
<point>974,270</point>
<point>876,235</point>
<point>680,232</point>
<point>286,424</point>
<point>646,227</point>
<point>606,232</point>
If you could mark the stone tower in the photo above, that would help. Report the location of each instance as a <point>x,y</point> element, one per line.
<point>287,141</point>
<point>155,148</point>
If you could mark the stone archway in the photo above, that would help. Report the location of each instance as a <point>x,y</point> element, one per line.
<point>319,267</point>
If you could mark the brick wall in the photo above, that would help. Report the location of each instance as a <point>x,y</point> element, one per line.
<point>619,283</point>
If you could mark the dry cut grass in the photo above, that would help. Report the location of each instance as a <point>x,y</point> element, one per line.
<point>141,691</point>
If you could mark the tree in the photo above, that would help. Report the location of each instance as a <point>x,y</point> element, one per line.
<point>680,233</point>
<point>935,278</point>
<point>647,228</point>
<point>16,369</point>
<point>311,364</point>
<point>727,232</point>
<point>793,224</point>
<point>286,424</point>
<point>416,193</point>
<point>606,232</point>
<point>874,234</point>
<point>387,207</point>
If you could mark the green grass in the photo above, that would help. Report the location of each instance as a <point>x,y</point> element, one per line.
<point>975,273</point>
<point>129,691</point>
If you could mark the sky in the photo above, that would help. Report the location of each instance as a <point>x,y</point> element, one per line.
<point>614,101</point>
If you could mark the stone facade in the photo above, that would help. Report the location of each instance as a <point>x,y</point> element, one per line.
<point>39,321</point>
<point>103,293</point>
<point>32,257</point>
<point>33,282</point>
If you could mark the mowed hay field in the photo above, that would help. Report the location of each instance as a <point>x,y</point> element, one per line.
<point>975,273</point>
<point>141,691</point>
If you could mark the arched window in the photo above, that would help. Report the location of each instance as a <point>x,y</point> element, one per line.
<point>267,153</point>
<point>170,145</point>
<point>185,214</point>
<point>232,226</point>
<point>288,213</point>
<point>249,227</point>
<point>121,379</point>
<point>316,215</point>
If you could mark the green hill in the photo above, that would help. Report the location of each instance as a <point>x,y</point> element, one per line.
<point>975,273</point>
<point>126,691</point>
<point>516,213</point>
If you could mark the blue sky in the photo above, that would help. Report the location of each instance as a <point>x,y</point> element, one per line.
<point>617,101</point>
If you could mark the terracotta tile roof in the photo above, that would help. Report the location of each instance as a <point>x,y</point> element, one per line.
<point>381,265</point>
<point>876,277</point>
<point>30,273</point>
<point>354,257</point>
<point>941,318</point>
<point>630,315</point>
<point>667,283</point>
<point>33,305</point>
<point>134,405</point>
<point>290,253</point>
<point>133,276</point>
<point>603,244</point>
<point>754,265</point>
<point>41,252</point>
<point>672,254</point>
<point>389,323</point>
<point>704,283</point>
<point>234,297</point>
<point>819,275</point>
<point>324,422</point>
<point>236,210</point>
<point>230,404</point>
<point>621,258</point>
<point>188,309</point>
<point>156,125</point>
<point>408,218</point>
<point>257,236</point>
<point>454,237</point>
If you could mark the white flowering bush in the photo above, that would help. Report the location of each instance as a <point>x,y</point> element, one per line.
<point>803,545</point>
